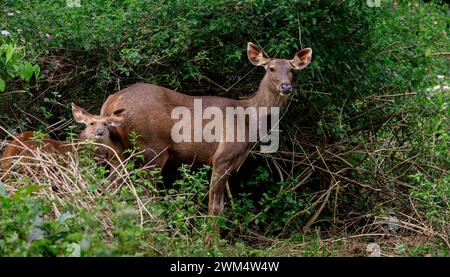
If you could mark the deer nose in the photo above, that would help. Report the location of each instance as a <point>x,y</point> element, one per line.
<point>286,88</point>
<point>99,132</point>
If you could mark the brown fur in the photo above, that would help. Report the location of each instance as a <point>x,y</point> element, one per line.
<point>149,114</point>
<point>103,125</point>
<point>25,143</point>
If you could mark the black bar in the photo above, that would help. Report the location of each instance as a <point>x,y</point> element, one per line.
<point>186,266</point>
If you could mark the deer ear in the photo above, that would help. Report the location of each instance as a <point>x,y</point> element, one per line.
<point>79,114</point>
<point>117,117</point>
<point>302,58</point>
<point>255,55</point>
<point>119,112</point>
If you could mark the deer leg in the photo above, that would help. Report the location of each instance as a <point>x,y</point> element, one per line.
<point>219,179</point>
<point>216,192</point>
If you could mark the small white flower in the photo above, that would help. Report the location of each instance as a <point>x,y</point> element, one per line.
<point>5,32</point>
<point>374,249</point>
<point>10,14</point>
<point>440,77</point>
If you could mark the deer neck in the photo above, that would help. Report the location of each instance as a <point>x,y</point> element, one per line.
<point>264,97</point>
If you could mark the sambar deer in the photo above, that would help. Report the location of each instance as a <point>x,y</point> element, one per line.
<point>149,114</point>
<point>98,129</point>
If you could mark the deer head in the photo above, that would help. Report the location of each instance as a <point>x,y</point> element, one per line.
<point>97,127</point>
<point>279,71</point>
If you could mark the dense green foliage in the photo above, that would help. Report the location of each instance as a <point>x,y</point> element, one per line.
<point>367,132</point>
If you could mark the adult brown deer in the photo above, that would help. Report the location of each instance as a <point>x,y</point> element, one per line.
<point>98,128</point>
<point>150,116</point>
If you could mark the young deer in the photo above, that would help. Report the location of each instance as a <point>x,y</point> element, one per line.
<point>98,128</point>
<point>149,113</point>
<point>101,129</point>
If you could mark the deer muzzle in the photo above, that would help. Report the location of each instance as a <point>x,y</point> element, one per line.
<point>286,88</point>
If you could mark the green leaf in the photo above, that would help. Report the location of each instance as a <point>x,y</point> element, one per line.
<point>2,85</point>
<point>428,52</point>
<point>9,52</point>
<point>26,71</point>
<point>3,192</point>
<point>63,217</point>
<point>36,71</point>
<point>29,189</point>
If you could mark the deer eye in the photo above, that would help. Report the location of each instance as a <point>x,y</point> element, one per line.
<point>272,69</point>
<point>92,123</point>
<point>104,124</point>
